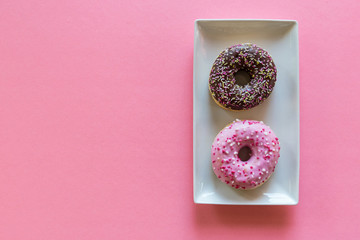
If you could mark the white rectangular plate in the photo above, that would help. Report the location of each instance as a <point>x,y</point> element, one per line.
<point>280,111</point>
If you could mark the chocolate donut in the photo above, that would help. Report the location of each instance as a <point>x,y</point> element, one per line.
<point>242,57</point>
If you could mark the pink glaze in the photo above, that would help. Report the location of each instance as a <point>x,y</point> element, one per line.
<point>252,173</point>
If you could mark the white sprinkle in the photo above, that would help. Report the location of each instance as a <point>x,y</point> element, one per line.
<point>233,162</point>
<point>228,140</point>
<point>259,177</point>
<point>270,153</point>
<point>235,153</point>
<point>227,152</point>
<point>232,182</point>
<point>222,170</point>
<point>218,158</point>
<point>267,171</point>
<point>232,144</point>
<point>273,144</point>
<point>263,169</point>
<point>247,137</point>
<point>265,133</point>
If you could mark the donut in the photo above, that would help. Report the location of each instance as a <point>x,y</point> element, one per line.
<point>244,154</point>
<point>247,57</point>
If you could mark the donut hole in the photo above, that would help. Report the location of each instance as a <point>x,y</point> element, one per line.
<point>245,153</point>
<point>242,78</point>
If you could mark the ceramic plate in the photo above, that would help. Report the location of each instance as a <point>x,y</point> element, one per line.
<point>280,111</point>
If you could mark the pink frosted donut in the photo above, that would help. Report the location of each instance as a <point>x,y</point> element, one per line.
<point>244,154</point>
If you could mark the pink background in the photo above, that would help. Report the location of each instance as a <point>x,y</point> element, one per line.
<point>96,122</point>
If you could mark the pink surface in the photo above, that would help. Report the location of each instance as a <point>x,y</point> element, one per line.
<point>96,122</point>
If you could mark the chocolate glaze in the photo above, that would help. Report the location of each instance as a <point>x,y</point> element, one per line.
<point>256,62</point>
